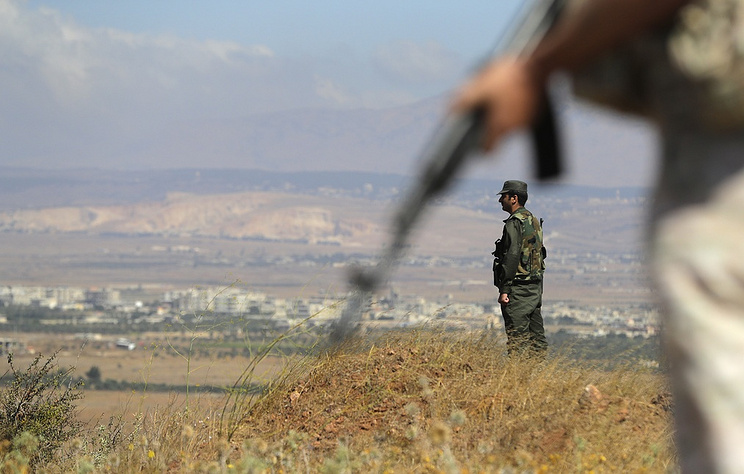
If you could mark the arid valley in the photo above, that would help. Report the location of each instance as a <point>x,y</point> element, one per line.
<point>286,236</point>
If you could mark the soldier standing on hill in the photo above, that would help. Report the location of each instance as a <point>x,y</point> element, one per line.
<point>680,63</point>
<point>518,272</point>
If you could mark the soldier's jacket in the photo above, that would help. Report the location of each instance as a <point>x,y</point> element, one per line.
<point>520,253</point>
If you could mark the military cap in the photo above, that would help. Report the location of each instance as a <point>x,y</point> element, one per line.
<point>514,186</point>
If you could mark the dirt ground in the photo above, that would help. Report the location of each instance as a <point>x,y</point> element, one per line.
<point>97,406</point>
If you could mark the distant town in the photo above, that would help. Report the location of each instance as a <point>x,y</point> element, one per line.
<point>71,309</point>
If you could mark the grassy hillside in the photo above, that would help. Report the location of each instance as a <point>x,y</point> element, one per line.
<point>428,401</point>
<point>414,401</point>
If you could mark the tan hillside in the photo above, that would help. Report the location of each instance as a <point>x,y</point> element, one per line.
<point>242,215</point>
<point>430,402</point>
<point>354,223</point>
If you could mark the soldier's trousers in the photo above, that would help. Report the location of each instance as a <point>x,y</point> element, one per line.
<point>523,318</point>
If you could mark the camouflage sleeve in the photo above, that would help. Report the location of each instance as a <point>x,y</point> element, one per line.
<point>513,234</point>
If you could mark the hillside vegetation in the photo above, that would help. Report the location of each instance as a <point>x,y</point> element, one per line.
<point>421,400</point>
<point>428,401</point>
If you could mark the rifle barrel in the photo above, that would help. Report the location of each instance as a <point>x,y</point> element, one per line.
<point>458,137</point>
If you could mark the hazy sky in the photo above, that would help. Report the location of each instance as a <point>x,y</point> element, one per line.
<point>100,83</point>
<point>108,71</point>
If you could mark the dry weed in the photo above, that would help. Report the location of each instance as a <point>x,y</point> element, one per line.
<point>454,400</point>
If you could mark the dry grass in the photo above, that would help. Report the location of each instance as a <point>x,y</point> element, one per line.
<point>427,401</point>
<point>153,363</point>
<point>414,401</point>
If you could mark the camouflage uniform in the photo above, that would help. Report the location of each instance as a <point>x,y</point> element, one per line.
<point>518,272</point>
<point>697,223</point>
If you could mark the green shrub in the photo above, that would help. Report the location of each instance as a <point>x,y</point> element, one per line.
<point>94,375</point>
<point>40,401</point>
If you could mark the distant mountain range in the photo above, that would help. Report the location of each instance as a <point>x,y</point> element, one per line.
<point>306,140</point>
<point>601,149</point>
<point>23,188</point>
<point>340,208</point>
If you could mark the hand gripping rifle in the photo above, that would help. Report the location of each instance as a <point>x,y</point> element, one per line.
<point>456,139</point>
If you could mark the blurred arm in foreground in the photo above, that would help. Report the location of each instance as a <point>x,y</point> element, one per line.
<point>681,63</point>
<point>509,88</point>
